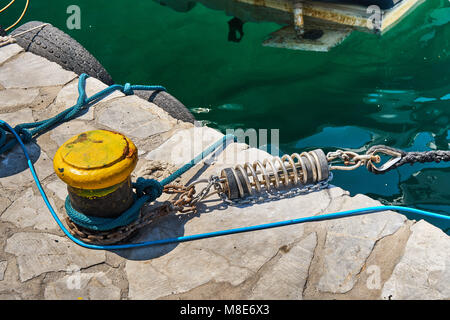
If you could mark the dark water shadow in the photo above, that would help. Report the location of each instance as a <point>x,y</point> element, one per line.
<point>14,161</point>
<point>427,189</point>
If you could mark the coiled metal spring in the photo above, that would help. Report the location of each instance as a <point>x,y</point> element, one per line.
<point>276,173</point>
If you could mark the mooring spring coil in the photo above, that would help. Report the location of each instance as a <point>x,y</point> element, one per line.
<point>275,173</point>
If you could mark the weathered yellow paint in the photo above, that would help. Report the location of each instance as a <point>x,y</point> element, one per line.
<point>392,17</point>
<point>349,15</point>
<point>97,159</point>
<point>95,193</point>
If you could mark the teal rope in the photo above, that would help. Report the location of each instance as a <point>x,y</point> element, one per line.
<point>104,224</point>
<point>27,131</point>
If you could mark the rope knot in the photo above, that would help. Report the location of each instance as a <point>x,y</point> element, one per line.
<point>127,90</point>
<point>25,134</point>
<point>6,40</point>
<point>150,187</point>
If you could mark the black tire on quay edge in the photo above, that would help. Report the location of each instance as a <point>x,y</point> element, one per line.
<point>55,45</point>
<point>168,103</point>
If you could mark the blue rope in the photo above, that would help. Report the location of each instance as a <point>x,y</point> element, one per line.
<point>323,217</point>
<point>28,130</point>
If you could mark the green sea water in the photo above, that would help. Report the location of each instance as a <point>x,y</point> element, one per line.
<point>393,89</point>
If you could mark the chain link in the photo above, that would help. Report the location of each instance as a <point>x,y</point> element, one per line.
<point>351,160</point>
<point>205,192</point>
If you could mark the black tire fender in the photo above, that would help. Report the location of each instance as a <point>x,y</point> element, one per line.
<point>167,102</point>
<point>55,45</point>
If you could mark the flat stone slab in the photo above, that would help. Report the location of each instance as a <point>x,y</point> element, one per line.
<point>59,188</point>
<point>38,253</point>
<point>4,203</point>
<point>184,145</point>
<point>15,99</point>
<point>349,242</point>
<point>286,278</point>
<point>423,271</point>
<point>82,286</point>
<point>30,71</point>
<point>29,210</point>
<point>3,265</point>
<point>14,172</point>
<point>133,117</point>
<point>9,51</point>
<point>18,117</point>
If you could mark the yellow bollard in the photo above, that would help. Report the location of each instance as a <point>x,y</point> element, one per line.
<point>96,166</point>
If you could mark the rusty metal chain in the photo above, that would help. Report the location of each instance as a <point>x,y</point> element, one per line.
<point>184,203</point>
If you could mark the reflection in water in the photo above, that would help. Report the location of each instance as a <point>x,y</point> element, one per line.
<point>352,137</point>
<point>233,8</point>
<point>427,185</point>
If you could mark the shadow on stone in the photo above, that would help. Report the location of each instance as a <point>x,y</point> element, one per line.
<point>15,161</point>
<point>173,226</point>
